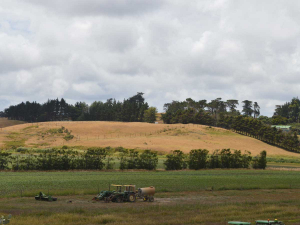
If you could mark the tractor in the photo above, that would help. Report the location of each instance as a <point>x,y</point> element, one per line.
<point>42,197</point>
<point>126,193</point>
<point>119,195</point>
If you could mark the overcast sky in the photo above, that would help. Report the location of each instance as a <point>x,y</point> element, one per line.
<point>87,50</point>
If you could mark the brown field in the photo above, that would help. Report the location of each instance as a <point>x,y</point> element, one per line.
<point>4,122</point>
<point>159,137</point>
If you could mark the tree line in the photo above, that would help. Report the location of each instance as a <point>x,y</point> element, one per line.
<point>225,115</point>
<point>105,158</point>
<point>66,159</point>
<point>133,109</point>
<point>289,112</point>
<point>199,159</point>
<point>209,112</point>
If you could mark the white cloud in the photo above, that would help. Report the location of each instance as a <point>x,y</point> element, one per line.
<point>170,50</point>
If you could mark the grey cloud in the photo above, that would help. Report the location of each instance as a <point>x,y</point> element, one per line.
<point>99,7</point>
<point>170,50</point>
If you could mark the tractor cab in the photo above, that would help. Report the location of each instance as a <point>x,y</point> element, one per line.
<point>118,187</point>
<point>262,222</point>
<point>129,188</point>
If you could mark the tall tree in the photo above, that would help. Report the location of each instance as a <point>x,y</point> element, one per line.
<point>232,105</point>
<point>247,108</point>
<point>256,110</point>
<point>150,115</point>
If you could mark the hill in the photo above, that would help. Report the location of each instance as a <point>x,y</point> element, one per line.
<point>160,137</point>
<point>4,122</point>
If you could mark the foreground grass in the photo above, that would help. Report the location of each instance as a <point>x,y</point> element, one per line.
<point>202,207</point>
<point>90,182</point>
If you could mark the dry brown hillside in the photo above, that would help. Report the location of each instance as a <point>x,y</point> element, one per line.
<point>4,122</point>
<point>160,137</point>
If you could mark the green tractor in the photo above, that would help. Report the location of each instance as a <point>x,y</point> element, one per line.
<point>42,197</point>
<point>128,195</point>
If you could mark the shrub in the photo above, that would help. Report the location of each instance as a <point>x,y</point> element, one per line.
<point>226,158</point>
<point>148,160</point>
<point>22,150</point>
<point>198,159</point>
<point>175,161</point>
<point>4,160</point>
<point>68,137</point>
<point>260,162</point>
<point>132,161</point>
<point>123,154</point>
<point>214,160</point>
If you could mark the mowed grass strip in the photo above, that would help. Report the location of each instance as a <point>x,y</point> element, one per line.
<point>81,182</point>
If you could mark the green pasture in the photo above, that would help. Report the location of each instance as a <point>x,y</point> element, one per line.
<point>83,182</point>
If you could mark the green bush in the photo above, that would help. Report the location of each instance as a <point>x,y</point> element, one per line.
<point>5,159</point>
<point>260,162</point>
<point>148,160</point>
<point>198,159</point>
<point>68,137</point>
<point>176,161</point>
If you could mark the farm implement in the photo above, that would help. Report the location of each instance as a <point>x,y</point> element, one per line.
<point>5,220</point>
<point>126,193</point>
<point>42,197</point>
<point>258,222</point>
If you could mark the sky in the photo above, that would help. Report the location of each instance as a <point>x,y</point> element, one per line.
<point>88,50</point>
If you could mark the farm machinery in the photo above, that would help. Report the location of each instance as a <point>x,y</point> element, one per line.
<point>258,222</point>
<point>5,220</point>
<point>126,193</point>
<point>42,197</point>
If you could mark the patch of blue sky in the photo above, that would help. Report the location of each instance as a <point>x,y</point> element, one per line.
<point>22,26</point>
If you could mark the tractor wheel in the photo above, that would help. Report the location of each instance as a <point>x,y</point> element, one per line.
<point>151,199</point>
<point>131,198</point>
<point>145,199</point>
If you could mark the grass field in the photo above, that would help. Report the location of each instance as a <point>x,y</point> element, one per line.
<point>183,197</point>
<point>81,182</point>
<point>205,208</point>
<point>159,137</point>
